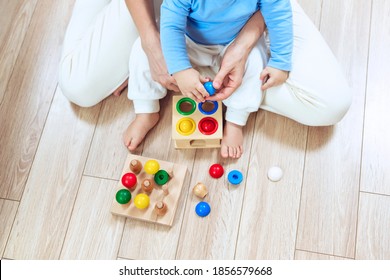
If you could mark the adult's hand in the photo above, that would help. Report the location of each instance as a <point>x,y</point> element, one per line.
<point>158,67</point>
<point>230,75</point>
<point>143,16</point>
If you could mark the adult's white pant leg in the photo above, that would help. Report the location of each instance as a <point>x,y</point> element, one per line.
<point>144,92</point>
<point>316,92</point>
<point>96,50</point>
<point>248,97</point>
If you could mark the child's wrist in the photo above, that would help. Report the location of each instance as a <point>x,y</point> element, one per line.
<point>180,73</point>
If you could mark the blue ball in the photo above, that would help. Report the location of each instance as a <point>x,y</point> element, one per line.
<point>235,177</point>
<point>209,87</point>
<point>202,209</point>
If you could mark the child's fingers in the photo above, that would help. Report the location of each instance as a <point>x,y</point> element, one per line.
<point>187,95</point>
<point>204,79</point>
<point>198,96</point>
<point>268,84</point>
<point>264,74</point>
<point>173,87</point>
<point>203,92</point>
<point>265,79</point>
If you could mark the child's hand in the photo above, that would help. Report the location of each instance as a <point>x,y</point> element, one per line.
<point>190,83</point>
<point>272,77</point>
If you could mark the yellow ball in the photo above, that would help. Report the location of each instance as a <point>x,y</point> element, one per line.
<point>186,126</point>
<point>141,201</point>
<point>152,166</point>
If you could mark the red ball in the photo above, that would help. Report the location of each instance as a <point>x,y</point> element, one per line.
<point>129,180</point>
<point>216,170</point>
<point>208,126</point>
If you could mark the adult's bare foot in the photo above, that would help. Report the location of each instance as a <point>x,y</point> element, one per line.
<point>232,141</point>
<point>121,88</point>
<point>138,128</point>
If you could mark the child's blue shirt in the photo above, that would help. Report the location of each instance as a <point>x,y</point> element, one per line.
<point>218,22</point>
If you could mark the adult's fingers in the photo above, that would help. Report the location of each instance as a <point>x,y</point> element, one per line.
<point>221,95</point>
<point>220,77</point>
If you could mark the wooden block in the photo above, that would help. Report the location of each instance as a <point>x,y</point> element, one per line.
<point>175,185</point>
<point>188,117</point>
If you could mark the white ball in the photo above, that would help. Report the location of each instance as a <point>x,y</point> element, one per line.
<point>275,173</point>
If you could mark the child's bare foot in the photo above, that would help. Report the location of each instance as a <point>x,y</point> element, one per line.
<point>137,130</point>
<point>232,141</point>
<point>121,88</point>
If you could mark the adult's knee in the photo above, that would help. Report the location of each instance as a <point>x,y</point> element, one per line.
<point>341,107</point>
<point>76,90</point>
<point>334,110</point>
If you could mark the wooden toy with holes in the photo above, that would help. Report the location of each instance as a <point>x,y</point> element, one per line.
<point>196,125</point>
<point>149,190</point>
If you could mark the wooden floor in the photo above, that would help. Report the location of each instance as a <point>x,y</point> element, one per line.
<point>59,164</point>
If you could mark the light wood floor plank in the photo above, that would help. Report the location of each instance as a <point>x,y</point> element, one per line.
<point>108,153</point>
<point>29,94</point>
<point>270,212</point>
<point>303,255</point>
<point>215,236</point>
<point>312,9</point>
<point>375,175</point>
<point>271,237</point>
<point>159,242</point>
<point>7,12</point>
<point>46,206</point>
<point>8,210</point>
<point>15,17</point>
<point>92,229</point>
<point>330,220</point>
<point>373,238</point>
<point>328,213</point>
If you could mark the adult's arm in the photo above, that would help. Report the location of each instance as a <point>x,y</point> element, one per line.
<point>142,12</point>
<point>230,75</point>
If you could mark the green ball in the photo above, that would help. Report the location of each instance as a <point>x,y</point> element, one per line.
<point>161,177</point>
<point>123,196</point>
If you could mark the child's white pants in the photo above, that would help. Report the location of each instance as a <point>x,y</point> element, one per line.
<point>96,55</point>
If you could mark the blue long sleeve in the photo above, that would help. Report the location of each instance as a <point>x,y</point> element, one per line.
<point>278,18</point>
<point>172,30</point>
<point>218,23</point>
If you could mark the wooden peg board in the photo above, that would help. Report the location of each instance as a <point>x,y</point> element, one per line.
<point>175,185</point>
<point>196,139</point>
